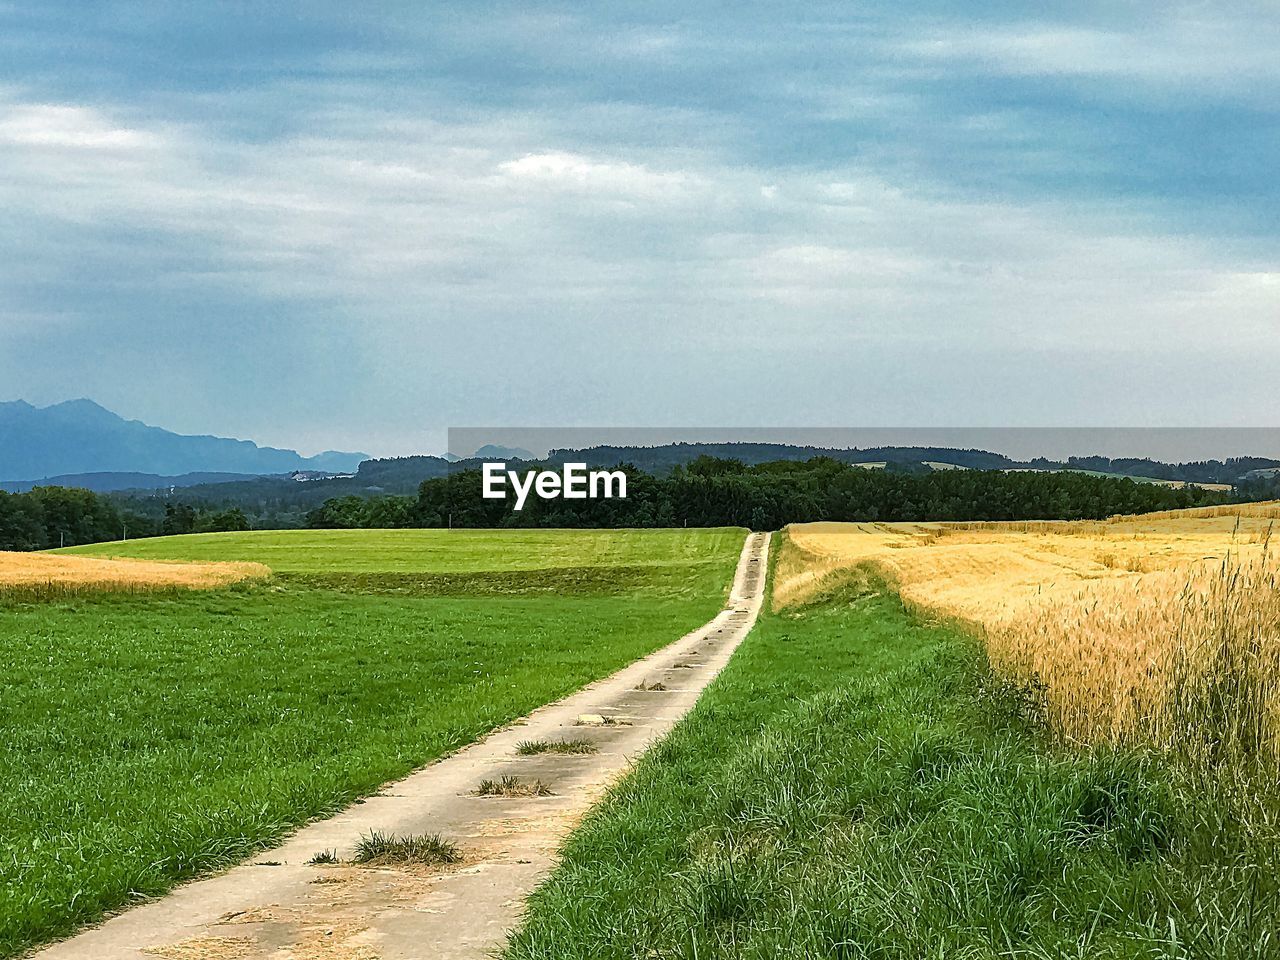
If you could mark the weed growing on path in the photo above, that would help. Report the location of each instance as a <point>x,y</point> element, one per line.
<point>512,787</point>
<point>383,849</point>
<point>528,748</point>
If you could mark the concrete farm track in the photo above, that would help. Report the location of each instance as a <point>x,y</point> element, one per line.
<point>276,906</point>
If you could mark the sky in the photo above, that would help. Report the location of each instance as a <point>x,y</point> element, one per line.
<point>354,226</point>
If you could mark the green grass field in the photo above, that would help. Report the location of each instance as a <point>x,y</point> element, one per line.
<point>149,738</point>
<point>429,551</point>
<point>854,785</point>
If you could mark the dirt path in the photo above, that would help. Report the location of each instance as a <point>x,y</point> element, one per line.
<point>278,907</point>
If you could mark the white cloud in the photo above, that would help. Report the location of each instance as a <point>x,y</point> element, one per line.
<point>610,233</point>
<point>620,179</point>
<point>405,211</point>
<point>1173,50</point>
<point>75,127</point>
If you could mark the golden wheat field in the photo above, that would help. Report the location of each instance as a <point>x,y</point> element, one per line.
<point>1163,628</point>
<point>57,571</point>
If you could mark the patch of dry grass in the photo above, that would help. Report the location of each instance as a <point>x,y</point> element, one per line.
<point>46,574</point>
<point>577,745</point>
<point>512,787</point>
<point>1270,510</point>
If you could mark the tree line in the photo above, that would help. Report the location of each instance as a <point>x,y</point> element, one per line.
<point>48,517</point>
<point>713,491</point>
<point>707,492</point>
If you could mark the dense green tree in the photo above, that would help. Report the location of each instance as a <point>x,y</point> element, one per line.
<point>340,513</point>
<point>64,516</point>
<point>179,518</point>
<point>224,521</point>
<point>21,523</point>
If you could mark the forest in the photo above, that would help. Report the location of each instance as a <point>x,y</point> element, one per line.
<point>706,492</point>
<point>49,517</point>
<point>712,491</point>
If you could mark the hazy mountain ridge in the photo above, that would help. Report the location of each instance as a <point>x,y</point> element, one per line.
<point>81,444</point>
<point>80,437</point>
<point>112,482</point>
<point>662,458</point>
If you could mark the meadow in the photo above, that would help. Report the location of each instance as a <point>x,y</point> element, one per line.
<point>859,784</point>
<point>427,551</point>
<point>152,736</point>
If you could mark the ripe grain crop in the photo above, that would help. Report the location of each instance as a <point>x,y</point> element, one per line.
<point>1161,630</point>
<point>1187,660</point>
<point>45,574</point>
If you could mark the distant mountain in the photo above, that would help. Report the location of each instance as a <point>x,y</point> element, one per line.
<point>81,437</point>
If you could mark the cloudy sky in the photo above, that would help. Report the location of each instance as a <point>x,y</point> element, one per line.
<point>355,225</point>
